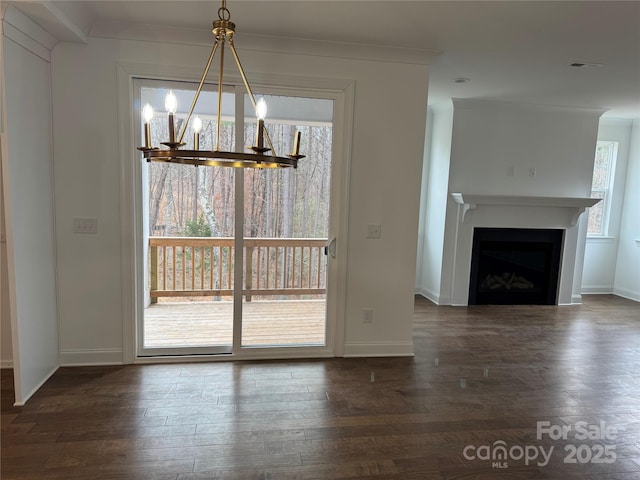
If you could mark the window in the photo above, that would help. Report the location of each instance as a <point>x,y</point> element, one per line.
<point>601,186</point>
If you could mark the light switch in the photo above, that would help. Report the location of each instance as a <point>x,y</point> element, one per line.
<point>374,230</point>
<point>85,225</point>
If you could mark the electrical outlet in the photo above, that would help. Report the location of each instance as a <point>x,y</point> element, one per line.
<point>85,225</point>
<point>532,172</point>
<point>367,315</point>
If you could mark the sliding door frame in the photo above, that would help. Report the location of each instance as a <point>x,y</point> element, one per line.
<point>132,221</point>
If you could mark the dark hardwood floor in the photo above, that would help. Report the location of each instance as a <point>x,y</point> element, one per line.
<point>482,378</point>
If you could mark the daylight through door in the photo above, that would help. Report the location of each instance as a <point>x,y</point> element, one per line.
<point>286,218</point>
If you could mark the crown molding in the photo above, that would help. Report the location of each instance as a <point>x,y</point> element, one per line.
<point>504,106</point>
<point>25,32</point>
<point>52,20</point>
<point>263,43</point>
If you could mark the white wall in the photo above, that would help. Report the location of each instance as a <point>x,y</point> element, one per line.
<point>490,137</point>
<point>601,252</point>
<point>422,220</point>
<point>434,204</point>
<point>627,279</point>
<point>6,349</point>
<point>386,161</point>
<point>28,190</point>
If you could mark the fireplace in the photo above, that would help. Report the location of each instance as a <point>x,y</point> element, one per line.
<point>515,266</point>
<point>468,213</point>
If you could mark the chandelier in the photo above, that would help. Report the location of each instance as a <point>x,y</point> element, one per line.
<point>257,156</point>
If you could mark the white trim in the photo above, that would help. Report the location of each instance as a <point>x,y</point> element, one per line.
<point>429,295</point>
<point>597,289</point>
<point>626,293</point>
<point>470,202</point>
<point>128,217</point>
<point>6,363</point>
<point>11,33</point>
<point>61,26</point>
<point>608,190</point>
<point>264,43</point>
<point>600,239</point>
<point>249,354</point>
<point>340,90</point>
<point>82,357</point>
<point>380,349</point>
<point>501,106</point>
<point>337,273</point>
<point>351,51</point>
<point>576,299</point>
<point>28,34</point>
<point>447,301</point>
<point>26,397</point>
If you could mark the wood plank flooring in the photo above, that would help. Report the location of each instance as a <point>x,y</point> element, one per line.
<point>265,322</point>
<point>481,375</point>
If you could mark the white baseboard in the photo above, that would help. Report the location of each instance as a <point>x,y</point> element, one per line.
<point>26,397</point>
<point>630,294</point>
<point>385,349</point>
<point>77,358</point>
<point>597,289</point>
<point>576,299</point>
<point>433,296</point>
<point>6,363</point>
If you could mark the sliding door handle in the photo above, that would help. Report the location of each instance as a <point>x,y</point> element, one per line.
<point>330,249</point>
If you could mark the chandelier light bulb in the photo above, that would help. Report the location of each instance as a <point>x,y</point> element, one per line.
<point>261,109</point>
<point>196,125</point>
<point>147,113</point>
<point>171,102</point>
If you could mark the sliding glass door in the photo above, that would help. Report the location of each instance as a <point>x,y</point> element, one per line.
<point>235,259</point>
<point>286,221</point>
<point>189,215</point>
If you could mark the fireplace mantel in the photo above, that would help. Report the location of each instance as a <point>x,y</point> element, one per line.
<point>577,204</point>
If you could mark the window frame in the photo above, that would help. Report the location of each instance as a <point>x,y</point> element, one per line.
<point>607,193</point>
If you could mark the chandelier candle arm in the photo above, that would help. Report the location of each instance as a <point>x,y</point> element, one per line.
<point>220,78</point>
<point>232,47</point>
<point>198,90</point>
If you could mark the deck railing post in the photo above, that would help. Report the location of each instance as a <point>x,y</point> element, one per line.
<point>248,272</point>
<point>154,271</point>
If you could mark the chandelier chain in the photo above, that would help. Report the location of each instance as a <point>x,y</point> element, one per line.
<point>223,12</point>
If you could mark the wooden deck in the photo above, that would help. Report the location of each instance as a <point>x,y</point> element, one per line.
<point>265,322</point>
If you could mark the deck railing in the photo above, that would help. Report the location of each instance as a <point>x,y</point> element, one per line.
<point>199,266</point>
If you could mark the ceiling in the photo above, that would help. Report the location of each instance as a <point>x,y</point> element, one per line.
<point>509,50</point>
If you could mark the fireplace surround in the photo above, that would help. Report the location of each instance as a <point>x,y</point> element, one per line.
<point>474,211</point>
